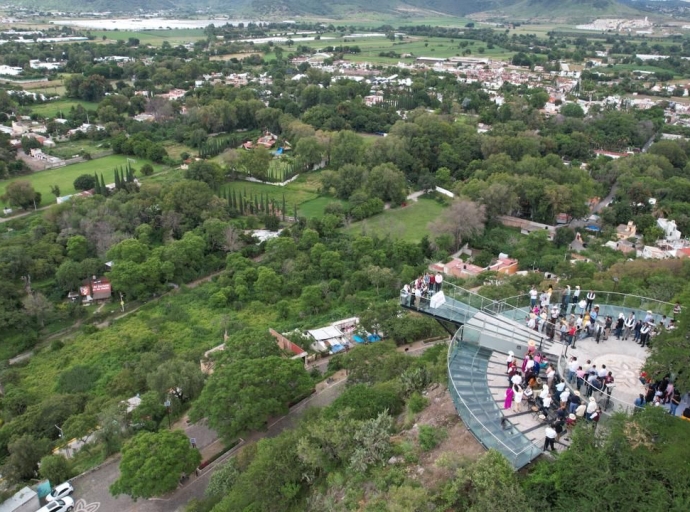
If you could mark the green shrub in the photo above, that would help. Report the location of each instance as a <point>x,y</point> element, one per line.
<point>417,403</point>
<point>430,437</point>
<point>56,345</point>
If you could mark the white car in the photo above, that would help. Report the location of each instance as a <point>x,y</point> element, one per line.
<point>60,491</point>
<point>65,504</point>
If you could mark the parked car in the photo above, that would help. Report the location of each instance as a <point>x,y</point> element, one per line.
<point>60,491</point>
<point>65,504</point>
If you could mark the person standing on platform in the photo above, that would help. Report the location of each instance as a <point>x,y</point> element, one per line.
<point>550,438</point>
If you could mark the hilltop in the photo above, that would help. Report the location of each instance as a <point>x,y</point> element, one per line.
<point>576,10</point>
<point>559,10</point>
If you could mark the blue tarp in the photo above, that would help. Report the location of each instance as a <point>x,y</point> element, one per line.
<point>371,338</point>
<point>592,227</point>
<point>337,348</point>
<point>278,151</point>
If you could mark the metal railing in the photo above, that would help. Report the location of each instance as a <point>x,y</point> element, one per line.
<point>608,301</point>
<point>466,304</point>
<point>477,426</point>
<point>604,396</point>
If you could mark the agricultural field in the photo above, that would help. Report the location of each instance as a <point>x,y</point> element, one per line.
<point>60,107</point>
<point>152,37</point>
<point>409,223</point>
<point>439,47</point>
<point>64,177</point>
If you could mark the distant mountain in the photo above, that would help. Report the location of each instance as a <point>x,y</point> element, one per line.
<point>513,9</point>
<point>561,10</point>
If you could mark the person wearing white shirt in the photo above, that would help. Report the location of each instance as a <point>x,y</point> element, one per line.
<point>592,405</point>
<point>572,369</point>
<point>644,334</point>
<point>565,396</point>
<point>550,374</point>
<point>602,373</point>
<point>544,392</point>
<point>516,379</point>
<point>533,297</point>
<point>629,325</point>
<point>439,282</point>
<point>550,438</point>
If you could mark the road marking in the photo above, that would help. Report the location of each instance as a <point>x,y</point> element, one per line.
<point>82,506</point>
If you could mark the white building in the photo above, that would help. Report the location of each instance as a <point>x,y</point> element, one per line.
<point>670,229</point>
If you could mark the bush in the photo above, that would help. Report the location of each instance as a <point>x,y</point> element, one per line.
<point>430,437</point>
<point>146,170</point>
<point>417,403</point>
<point>56,345</point>
<point>85,182</point>
<point>366,402</point>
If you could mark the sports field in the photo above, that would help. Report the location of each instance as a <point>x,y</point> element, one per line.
<point>64,177</point>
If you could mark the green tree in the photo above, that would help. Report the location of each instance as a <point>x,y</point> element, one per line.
<point>572,110</point>
<point>77,248</point>
<point>54,468</point>
<point>22,194</point>
<point>388,183</point>
<point>152,463</point>
<point>346,148</point>
<point>489,484</point>
<point>146,170</point>
<point>84,182</point>
<point>25,454</point>
<point>309,152</point>
<point>256,162</point>
<point>242,395</point>
<point>208,172</point>
<point>183,379</point>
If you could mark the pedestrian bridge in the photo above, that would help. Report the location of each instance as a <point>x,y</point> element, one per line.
<point>483,330</point>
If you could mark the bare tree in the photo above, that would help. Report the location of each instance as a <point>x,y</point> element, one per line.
<point>160,108</point>
<point>233,242</point>
<point>38,306</point>
<point>461,220</point>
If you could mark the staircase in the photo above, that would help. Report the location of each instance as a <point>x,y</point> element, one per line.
<point>473,399</point>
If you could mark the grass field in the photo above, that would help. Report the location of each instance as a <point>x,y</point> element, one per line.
<point>409,223</point>
<point>439,47</point>
<point>52,108</point>
<point>303,189</point>
<point>315,207</point>
<point>154,37</point>
<point>64,177</point>
<point>71,148</point>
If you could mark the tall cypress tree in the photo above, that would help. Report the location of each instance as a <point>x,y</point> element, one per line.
<point>97,185</point>
<point>283,207</point>
<point>104,189</point>
<point>118,185</point>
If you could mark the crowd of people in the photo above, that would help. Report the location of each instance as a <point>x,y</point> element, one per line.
<point>660,393</point>
<point>535,384</point>
<point>421,289</point>
<point>577,316</point>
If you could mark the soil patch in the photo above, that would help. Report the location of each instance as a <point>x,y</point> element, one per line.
<point>457,449</point>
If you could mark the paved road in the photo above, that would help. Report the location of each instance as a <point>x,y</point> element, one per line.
<point>91,491</point>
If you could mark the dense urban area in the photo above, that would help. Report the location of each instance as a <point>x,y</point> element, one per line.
<point>344,264</point>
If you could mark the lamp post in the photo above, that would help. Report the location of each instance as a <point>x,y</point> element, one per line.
<point>167,407</point>
<point>61,434</point>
